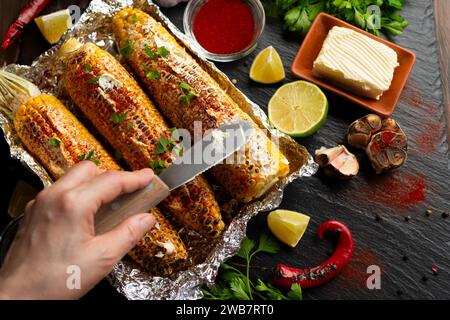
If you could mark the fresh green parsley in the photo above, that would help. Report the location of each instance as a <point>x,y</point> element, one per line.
<point>17,141</point>
<point>127,49</point>
<point>134,18</point>
<point>160,52</point>
<point>187,94</point>
<point>298,15</point>
<point>232,283</point>
<point>118,117</point>
<point>129,126</point>
<point>163,52</point>
<point>54,143</point>
<point>118,155</point>
<point>151,74</point>
<point>93,80</point>
<point>157,165</point>
<point>164,145</point>
<point>89,156</point>
<point>87,67</point>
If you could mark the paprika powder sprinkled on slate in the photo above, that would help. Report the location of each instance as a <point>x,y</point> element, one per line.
<point>399,191</point>
<point>224,26</point>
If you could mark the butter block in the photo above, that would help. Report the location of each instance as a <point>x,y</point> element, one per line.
<point>356,63</point>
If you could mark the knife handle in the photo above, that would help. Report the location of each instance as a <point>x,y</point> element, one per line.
<point>127,205</point>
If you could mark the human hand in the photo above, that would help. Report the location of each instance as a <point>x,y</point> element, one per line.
<point>57,235</point>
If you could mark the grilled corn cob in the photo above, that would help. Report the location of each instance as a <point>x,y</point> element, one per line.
<point>185,93</point>
<point>58,140</point>
<point>112,100</point>
<point>52,134</point>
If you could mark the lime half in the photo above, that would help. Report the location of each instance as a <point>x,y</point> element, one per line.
<point>288,226</point>
<point>53,25</point>
<point>298,109</point>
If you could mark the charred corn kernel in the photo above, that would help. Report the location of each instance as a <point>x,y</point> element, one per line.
<point>54,136</point>
<point>58,140</point>
<point>186,93</point>
<point>161,251</point>
<point>112,100</point>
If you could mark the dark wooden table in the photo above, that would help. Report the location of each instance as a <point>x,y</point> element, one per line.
<point>405,251</point>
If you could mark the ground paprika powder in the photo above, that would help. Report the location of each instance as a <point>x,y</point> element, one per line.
<point>224,26</point>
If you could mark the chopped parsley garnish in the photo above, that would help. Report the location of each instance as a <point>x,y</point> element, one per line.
<point>187,94</point>
<point>160,52</point>
<point>151,74</point>
<point>134,18</point>
<point>87,67</point>
<point>93,80</point>
<point>127,49</point>
<point>129,126</point>
<point>17,141</point>
<point>164,145</point>
<point>89,156</point>
<point>178,150</point>
<point>118,117</point>
<point>157,165</point>
<point>54,142</point>
<point>118,155</point>
<point>163,52</point>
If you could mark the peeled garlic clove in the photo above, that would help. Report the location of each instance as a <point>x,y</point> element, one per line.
<point>337,162</point>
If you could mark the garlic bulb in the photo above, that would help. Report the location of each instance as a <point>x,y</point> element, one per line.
<point>169,3</point>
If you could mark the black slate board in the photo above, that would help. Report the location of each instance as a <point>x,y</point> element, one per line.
<point>424,241</point>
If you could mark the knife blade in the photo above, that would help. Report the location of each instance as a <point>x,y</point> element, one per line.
<point>216,146</point>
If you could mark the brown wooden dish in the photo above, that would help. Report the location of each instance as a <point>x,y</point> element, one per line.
<point>311,46</point>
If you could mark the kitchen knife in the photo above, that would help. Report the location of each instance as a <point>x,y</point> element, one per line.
<point>215,146</point>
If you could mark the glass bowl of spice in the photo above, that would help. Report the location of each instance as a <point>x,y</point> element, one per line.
<point>224,30</point>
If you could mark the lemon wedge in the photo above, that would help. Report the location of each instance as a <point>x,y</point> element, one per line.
<point>288,226</point>
<point>298,109</point>
<point>53,25</point>
<point>267,67</point>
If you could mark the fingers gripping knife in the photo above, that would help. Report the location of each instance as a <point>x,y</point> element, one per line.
<point>216,146</point>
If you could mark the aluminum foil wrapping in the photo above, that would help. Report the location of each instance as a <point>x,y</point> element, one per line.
<point>206,255</point>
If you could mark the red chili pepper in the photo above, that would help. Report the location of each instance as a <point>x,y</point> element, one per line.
<point>316,276</point>
<point>26,15</point>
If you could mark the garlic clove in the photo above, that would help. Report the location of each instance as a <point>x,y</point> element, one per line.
<point>337,162</point>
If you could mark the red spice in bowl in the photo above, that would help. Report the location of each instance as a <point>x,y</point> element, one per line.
<point>224,26</point>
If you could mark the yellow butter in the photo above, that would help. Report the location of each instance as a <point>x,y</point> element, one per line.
<point>356,62</point>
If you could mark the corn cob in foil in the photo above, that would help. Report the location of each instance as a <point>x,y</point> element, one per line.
<point>58,140</point>
<point>112,100</point>
<point>185,93</point>
<point>52,134</point>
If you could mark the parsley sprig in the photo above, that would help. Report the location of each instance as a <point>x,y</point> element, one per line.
<point>298,15</point>
<point>127,49</point>
<point>165,145</point>
<point>187,94</point>
<point>234,284</point>
<point>89,156</point>
<point>160,52</point>
<point>54,143</point>
<point>158,165</point>
<point>118,117</point>
<point>151,74</point>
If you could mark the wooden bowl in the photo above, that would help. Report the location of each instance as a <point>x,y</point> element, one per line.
<point>310,49</point>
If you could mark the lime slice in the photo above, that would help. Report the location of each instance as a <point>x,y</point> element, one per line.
<point>288,226</point>
<point>298,109</point>
<point>267,67</point>
<point>53,26</point>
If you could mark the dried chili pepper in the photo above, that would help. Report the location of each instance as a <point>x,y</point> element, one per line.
<point>316,276</point>
<point>26,15</point>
